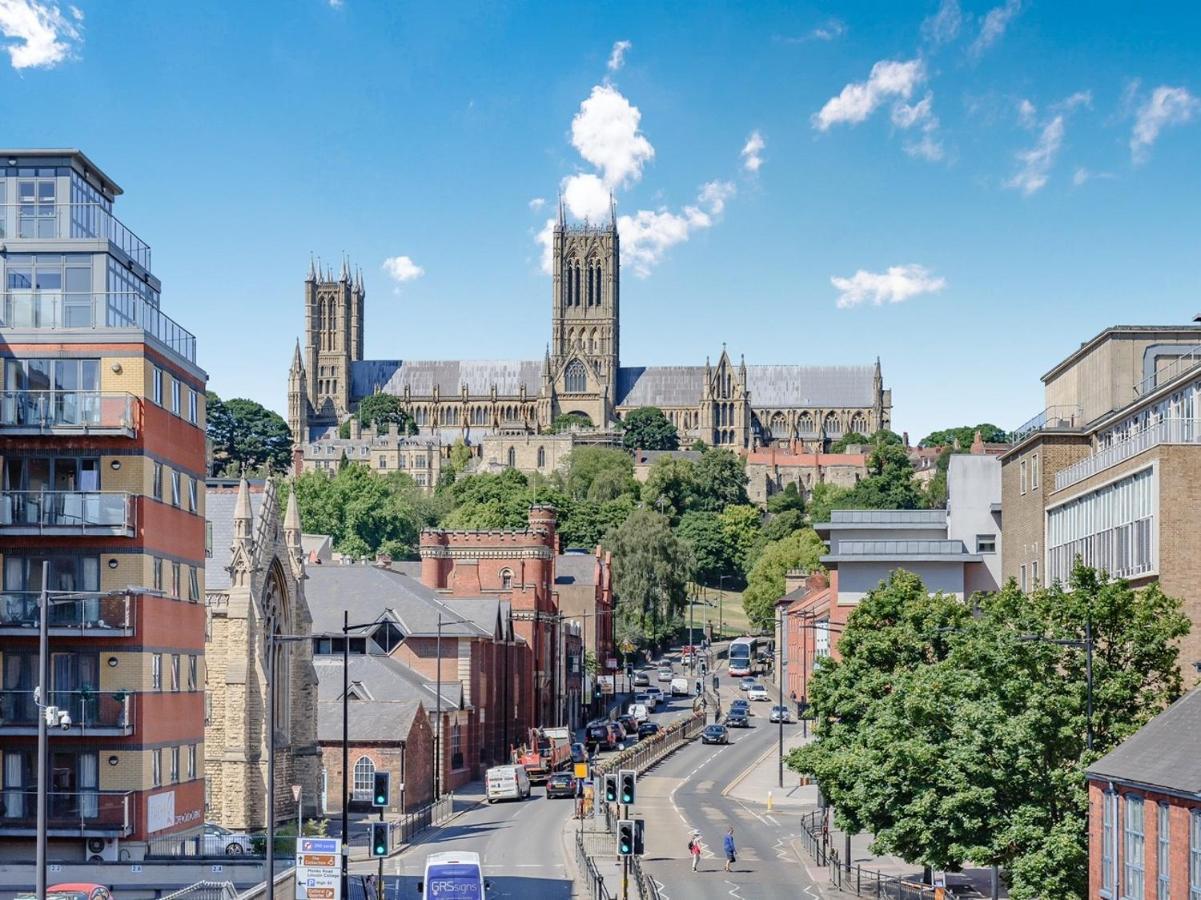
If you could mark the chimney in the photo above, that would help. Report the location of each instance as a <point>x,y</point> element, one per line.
<point>794,579</point>
<point>905,438</point>
<point>356,428</point>
<point>977,444</point>
<point>383,560</point>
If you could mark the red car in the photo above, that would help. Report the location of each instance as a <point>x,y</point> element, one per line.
<point>75,890</point>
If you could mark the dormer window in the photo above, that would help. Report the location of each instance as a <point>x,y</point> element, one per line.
<point>387,637</point>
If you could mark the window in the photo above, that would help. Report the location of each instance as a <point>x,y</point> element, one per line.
<point>506,579</point>
<point>175,671</point>
<point>156,482</point>
<point>1133,849</point>
<point>1034,573</point>
<point>1194,855</point>
<point>364,778</point>
<point>1022,476</point>
<point>387,637</point>
<point>175,491</point>
<point>38,212</point>
<point>1022,578</point>
<point>1164,854</point>
<point>191,762</point>
<point>193,407</point>
<point>986,543</point>
<point>175,765</point>
<point>158,574</point>
<point>193,584</point>
<point>175,392</point>
<point>1034,472</point>
<point>383,462</point>
<point>156,672</point>
<point>541,457</point>
<point>208,539</point>
<point>456,746</point>
<point>156,762</point>
<point>1109,844</point>
<point>1111,528</point>
<point>193,665</point>
<point>576,377</point>
<point>175,580</point>
<point>512,458</point>
<point>156,385</point>
<point>821,638</point>
<point>192,497</point>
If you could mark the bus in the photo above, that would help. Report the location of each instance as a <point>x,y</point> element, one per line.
<point>743,652</point>
<point>456,875</point>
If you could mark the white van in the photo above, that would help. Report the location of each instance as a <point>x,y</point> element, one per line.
<point>456,875</point>
<point>507,783</point>
<point>638,711</point>
<point>679,687</point>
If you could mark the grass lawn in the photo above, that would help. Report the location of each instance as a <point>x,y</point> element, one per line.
<point>730,614</point>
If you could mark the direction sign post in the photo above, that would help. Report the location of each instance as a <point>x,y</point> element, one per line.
<point>318,870</point>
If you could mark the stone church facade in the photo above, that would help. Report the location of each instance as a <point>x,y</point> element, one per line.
<point>727,403</point>
<point>254,582</point>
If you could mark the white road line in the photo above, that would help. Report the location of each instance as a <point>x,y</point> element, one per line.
<point>734,889</point>
<point>772,819</point>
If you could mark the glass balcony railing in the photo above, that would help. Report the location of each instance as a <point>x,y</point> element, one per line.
<point>1166,431</point>
<point>87,810</point>
<point>34,221</point>
<point>73,411</point>
<point>90,711</point>
<point>19,612</point>
<point>66,512</point>
<point>55,310</point>
<point>1053,418</point>
<point>899,548</point>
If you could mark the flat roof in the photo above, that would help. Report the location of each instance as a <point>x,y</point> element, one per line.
<point>1112,330</point>
<point>72,154</point>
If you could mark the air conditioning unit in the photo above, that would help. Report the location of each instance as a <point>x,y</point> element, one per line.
<point>98,849</point>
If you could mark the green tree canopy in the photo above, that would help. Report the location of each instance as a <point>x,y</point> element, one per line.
<point>671,487</point>
<point>647,428</point>
<point>709,544</point>
<point>765,581</point>
<point>780,525</point>
<point>246,434</point>
<point>568,421</point>
<point>789,498</point>
<point>825,497</point>
<point>381,410</point>
<point>851,438</point>
<point>584,523</point>
<point>651,568</point>
<point>600,474</point>
<point>965,435</point>
<point>720,480</point>
<point>742,525</point>
<point>889,485</point>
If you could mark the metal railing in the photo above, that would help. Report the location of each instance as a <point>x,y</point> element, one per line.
<point>647,752</point>
<point>593,880</point>
<point>54,310</point>
<point>50,221</point>
<point>205,890</point>
<point>66,511</point>
<point>854,879</point>
<point>90,411</point>
<point>412,824</point>
<point>85,810</point>
<point>89,710</point>
<point>1053,418</point>
<point>899,548</point>
<point>888,516</point>
<point>107,613</point>
<point>1170,372</point>
<point>1169,431</point>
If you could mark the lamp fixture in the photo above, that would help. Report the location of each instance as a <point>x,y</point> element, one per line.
<point>112,563</point>
<point>113,760</point>
<point>115,465</point>
<point>112,662</point>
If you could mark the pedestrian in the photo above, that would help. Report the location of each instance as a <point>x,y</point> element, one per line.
<point>694,848</point>
<point>728,846</point>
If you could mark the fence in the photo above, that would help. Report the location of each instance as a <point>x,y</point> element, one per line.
<point>646,753</point>
<point>205,890</point>
<point>593,880</point>
<point>412,824</point>
<point>855,879</point>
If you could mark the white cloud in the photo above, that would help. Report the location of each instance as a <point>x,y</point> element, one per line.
<point>647,235</point>
<point>751,159</point>
<point>1070,102</point>
<point>829,30</point>
<point>605,132</point>
<point>858,100</point>
<point>41,36</point>
<point>926,147</point>
<point>617,57</point>
<point>1027,113</point>
<point>943,27</point>
<point>586,197</point>
<point>337,4</point>
<point>897,285</point>
<point>1166,106</point>
<point>546,240</point>
<point>905,115</point>
<point>401,269</point>
<point>995,22</point>
<point>1082,176</point>
<point>537,203</point>
<point>1036,162</point>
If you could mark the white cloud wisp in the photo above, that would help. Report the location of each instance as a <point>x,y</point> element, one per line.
<point>617,57</point>
<point>898,284</point>
<point>996,21</point>
<point>401,269</point>
<point>1036,162</point>
<point>40,35</point>
<point>647,235</point>
<point>752,160</point>
<point>889,79</point>
<point>605,132</point>
<point>1166,106</point>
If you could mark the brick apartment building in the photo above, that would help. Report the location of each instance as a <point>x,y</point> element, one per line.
<point>102,442</point>
<point>1144,811</point>
<point>584,592</point>
<point>1110,471</point>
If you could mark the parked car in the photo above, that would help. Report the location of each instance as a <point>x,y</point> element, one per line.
<point>737,719</point>
<point>715,734</point>
<point>746,684</point>
<point>664,675</point>
<point>641,679</point>
<point>579,753</point>
<point>656,693</point>
<point>646,729</point>
<point>219,841</point>
<point>603,736</point>
<point>758,692</point>
<point>561,784</point>
<point>780,714</point>
<point>76,890</point>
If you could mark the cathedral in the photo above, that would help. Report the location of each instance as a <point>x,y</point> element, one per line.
<point>728,404</point>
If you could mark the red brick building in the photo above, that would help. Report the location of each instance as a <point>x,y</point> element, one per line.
<point>103,463</point>
<point>813,620</point>
<point>1144,811</point>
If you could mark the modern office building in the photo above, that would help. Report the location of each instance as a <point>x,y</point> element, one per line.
<point>1110,472</point>
<point>102,455</point>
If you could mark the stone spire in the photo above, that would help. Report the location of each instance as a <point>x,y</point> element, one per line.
<point>612,212</point>
<point>292,529</point>
<point>345,268</point>
<point>243,515</point>
<point>312,269</point>
<point>562,213</point>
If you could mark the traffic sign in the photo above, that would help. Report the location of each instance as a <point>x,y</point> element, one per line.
<point>318,873</point>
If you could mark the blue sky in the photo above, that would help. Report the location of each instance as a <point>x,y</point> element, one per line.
<point>1005,178</point>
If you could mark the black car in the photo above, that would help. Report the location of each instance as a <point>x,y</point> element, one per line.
<point>741,706</point>
<point>737,720</point>
<point>646,729</point>
<point>715,734</point>
<point>602,737</point>
<point>561,784</point>
<point>579,753</point>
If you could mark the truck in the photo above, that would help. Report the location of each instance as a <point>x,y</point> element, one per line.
<point>547,750</point>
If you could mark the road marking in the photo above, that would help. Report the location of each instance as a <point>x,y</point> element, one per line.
<point>734,889</point>
<point>772,819</point>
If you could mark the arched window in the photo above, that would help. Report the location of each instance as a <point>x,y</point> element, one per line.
<point>576,377</point>
<point>512,458</point>
<point>830,424</point>
<point>506,579</point>
<point>575,283</point>
<point>778,426</point>
<point>541,457</point>
<point>364,778</point>
<point>804,424</point>
<point>859,424</point>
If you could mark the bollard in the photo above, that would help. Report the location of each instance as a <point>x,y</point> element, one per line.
<point>769,806</point>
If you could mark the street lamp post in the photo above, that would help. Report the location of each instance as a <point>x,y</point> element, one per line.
<point>345,861</point>
<point>1087,646</point>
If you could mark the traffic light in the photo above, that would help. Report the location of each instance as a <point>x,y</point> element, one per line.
<point>379,838</point>
<point>610,788</point>
<point>639,837</point>
<point>381,788</point>
<point>628,779</point>
<point>625,837</point>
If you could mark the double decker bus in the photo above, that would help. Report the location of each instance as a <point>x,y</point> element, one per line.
<point>743,652</point>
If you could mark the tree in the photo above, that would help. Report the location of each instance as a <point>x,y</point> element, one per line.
<point>720,480</point>
<point>765,581</point>
<point>568,421</point>
<point>381,410</point>
<point>789,498</point>
<point>651,568</point>
<point>742,526</point>
<point>246,434</point>
<point>584,523</point>
<point>965,435</point>
<point>826,497</point>
<point>671,487</point>
<point>853,438</point>
<point>782,524</point>
<point>460,456</point>
<point>713,553</point>
<point>600,474</point>
<point>646,428</point>
<point>890,483</point>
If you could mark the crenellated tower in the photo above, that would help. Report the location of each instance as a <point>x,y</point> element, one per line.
<point>333,339</point>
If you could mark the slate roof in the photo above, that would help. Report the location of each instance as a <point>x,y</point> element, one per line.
<point>219,507</point>
<point>392,376</point>
<point>396,693</point>
<point>660,385</point>
<point>800,386</point>
<point>1163,753</point>
<point>575,568</point>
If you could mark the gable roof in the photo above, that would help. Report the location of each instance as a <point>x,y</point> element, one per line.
<point>816,386</point>
<point>660,385</point>
<point>1163,753</point>
<point>575,568</point>
<point>219,504</point>
<point>420,376</point>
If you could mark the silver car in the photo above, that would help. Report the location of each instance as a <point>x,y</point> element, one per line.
<point>219,841</point>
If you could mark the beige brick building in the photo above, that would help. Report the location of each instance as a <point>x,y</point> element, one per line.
<point>1111,470</point>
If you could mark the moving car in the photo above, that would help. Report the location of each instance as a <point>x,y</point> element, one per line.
<point>656,693</point>
<point>630,721</point>
<point>758,692</point>
<point>639,713</point>
<point>641,679</point>
<point>507,783</point>
<point>680,687</point>
<point>456,874</point>
<point>646,729</point>
<point>737,719</point>
<point>780,714</point>
<point>742,706</point>
<point>604,735</point>
<point>747,683</point>
<point>561,784</point>
<point>646,698</point>
<point>220,841</point>
<point>664,676</point>
<point>715,734</point>
<point>579,753</point>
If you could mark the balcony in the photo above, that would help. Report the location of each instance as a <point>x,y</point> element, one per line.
<point>67,412</point>
<point>68,813</point>
<point>1169,431</point>
<point>102,616</point>
<point>1053,418</point>
<point>899,551</point>
<point>67,513</point>
<point>37,310</point>
<point>106,713</point>
<point>43,222</point>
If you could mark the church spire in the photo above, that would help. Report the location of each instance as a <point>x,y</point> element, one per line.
<point>562,213</point>
<point>243,515</point>
<point>312,269</point>
<point>612,212</point>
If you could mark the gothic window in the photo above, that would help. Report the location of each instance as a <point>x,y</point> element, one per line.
<point>830,424</point>
<point>541,457</point>
<point>506,579</point>
<point>592,348</point>
<point>804,423</point>
<point>576,377</point>
<point>575,283</point>
<point>858,424</point>
<point>512,458</point>
<point>364,778</point>
<point>778,427</point>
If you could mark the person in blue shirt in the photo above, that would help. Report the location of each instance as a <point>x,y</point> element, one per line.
<point>728,846</point>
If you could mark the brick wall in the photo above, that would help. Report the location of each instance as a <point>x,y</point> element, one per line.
<point>410,763</point>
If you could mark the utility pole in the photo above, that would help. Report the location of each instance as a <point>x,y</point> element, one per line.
<point>780,683</point>
<point>43,698</point>
<point>271,758</point>
<point>345,754</point>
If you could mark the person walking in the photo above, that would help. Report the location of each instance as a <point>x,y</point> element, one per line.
<point>728,846</point>
<point>694,848</point>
